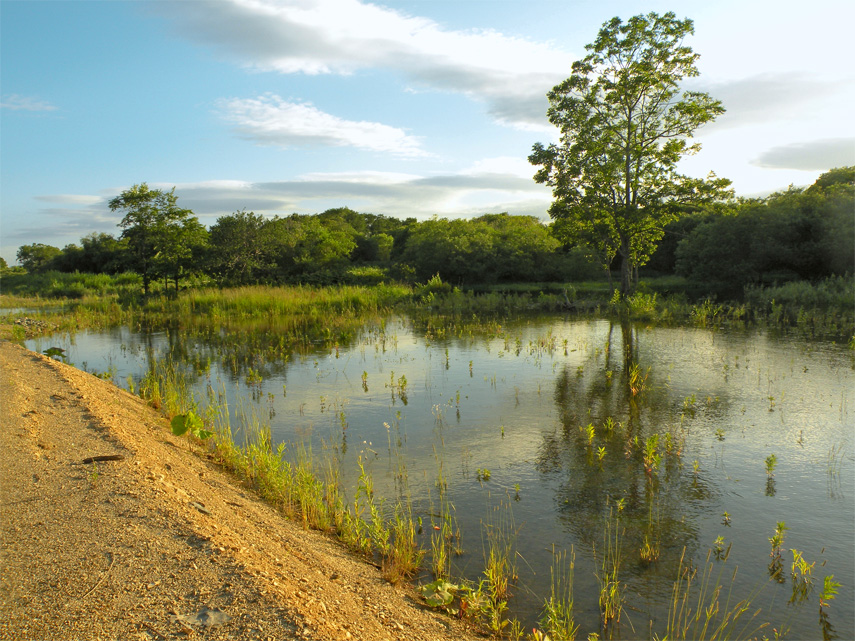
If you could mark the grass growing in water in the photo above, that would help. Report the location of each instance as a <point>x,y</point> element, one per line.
<point>557,618</point>
<point>699,609</point>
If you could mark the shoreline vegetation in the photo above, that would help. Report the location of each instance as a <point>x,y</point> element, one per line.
<point>814,310</point>
<point>307,485</point>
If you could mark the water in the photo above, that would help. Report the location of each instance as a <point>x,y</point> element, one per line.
<point>513,400</point>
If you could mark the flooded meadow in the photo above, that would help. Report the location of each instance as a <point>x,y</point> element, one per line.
<point>652,463</point>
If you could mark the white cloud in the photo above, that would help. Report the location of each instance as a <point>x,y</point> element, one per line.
<point>501,165</point>
<point>392,194</point>
<point>767,97</point>
<point>70,199</point>
<point>811,155</point>
<point>270,120</point>
<point>25,103</point>
<point>512,75</point>
<point>363,177</point>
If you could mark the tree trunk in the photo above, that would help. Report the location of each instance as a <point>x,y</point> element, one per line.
<point>625,269</point>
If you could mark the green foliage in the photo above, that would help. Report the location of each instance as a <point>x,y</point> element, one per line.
<point>53,284</point>
<point>189,422</point>
<point>829,590</point>
<point>493,247</point>
<point>625,124</point>
<point>806,234</point>
<point>161,236</point>
<point>557,618</point>
<point>771,463</point>
<point>439,593</point>
<point>37,257</point>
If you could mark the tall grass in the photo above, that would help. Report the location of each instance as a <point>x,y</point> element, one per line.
<point>700,608</point>
<point>290,478</point>
<point>557,618</point>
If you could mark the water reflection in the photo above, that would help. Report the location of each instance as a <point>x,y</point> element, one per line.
<point>619,454</point>
<point>660,432</point>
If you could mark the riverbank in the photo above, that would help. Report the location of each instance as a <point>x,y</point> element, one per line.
<point>155,541</point>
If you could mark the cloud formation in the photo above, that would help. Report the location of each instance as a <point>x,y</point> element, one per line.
<point>270,120</point>
<point>812,155</point>
<point>25,103</point>
<point>512,75</point>
<point>468,193</point>
<point>70,199</point>
<point>764,98</point>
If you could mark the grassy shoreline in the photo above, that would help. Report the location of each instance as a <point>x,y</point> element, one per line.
<point>824,310</point>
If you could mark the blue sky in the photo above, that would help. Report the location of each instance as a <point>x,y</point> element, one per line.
<point>398,108</point>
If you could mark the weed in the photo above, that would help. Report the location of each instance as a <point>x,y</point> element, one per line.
<point>557,616</point>
<point>651,454</point>
<point>589,433</point>
<point>696,612</point>
<point>829,592</point>
<point>637,379</point>
<point>93,474</point>
<point>801,573</point>
<point>777,543</point>
<point>611,590</point>
<point>771,462</point>
<point>720,552</point>
<point>189,422</point>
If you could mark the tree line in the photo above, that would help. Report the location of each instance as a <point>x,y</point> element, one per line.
<point>799,234</point>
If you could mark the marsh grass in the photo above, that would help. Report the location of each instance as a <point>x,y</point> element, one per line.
<point>500,550</point>
<point>557,618</point>
<point>611,587</point>
<point>305,486</point>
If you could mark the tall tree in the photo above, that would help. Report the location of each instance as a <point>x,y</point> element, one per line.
<point>625,123</point>
<point>152,218</point>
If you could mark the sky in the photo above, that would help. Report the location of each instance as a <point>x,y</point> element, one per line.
<point>401,108</point>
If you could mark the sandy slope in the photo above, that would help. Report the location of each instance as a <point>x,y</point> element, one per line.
<point>132,548</point>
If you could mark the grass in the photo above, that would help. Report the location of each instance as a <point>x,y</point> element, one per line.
<point>611,587</point>
<point>700,608</point>
<point>557,619</point>
<point>308,311</point>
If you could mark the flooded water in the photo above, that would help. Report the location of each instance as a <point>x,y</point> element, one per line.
<point>685,442</point>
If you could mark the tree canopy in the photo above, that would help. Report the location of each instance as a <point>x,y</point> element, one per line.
<point>624,123</point>
<point>38,256</point>
<point>158,232</point>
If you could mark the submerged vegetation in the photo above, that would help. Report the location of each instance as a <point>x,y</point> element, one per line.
<point>321,486</point>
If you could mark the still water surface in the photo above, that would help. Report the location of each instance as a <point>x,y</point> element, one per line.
<point>518,400</point>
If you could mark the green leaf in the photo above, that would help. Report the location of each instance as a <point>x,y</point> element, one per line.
<point>181,423</point>
<point>440,593</point>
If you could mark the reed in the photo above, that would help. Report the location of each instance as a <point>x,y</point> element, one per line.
<point>611,587</point>
<point>557,618</point>
<point>700,608</point>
